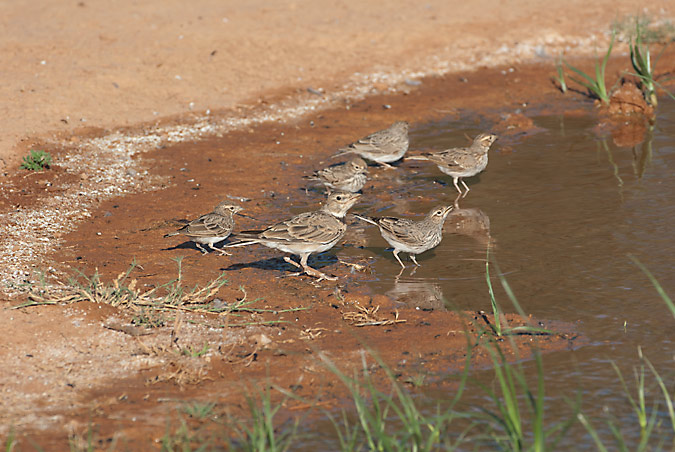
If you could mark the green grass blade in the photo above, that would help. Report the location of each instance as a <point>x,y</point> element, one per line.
<point>662,293</point>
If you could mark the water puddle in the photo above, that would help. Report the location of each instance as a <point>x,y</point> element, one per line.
<point>561,210</point>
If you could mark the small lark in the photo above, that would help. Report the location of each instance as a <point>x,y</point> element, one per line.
<point>307,233</point>
<point>383,147</point>
<point>349,177</point>
<point>413,237</point>
<point>211,228</point>
<point>462,162</point>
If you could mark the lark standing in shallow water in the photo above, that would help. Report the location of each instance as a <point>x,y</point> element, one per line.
<point>462,162</point>
<point>414,237</point>
<point>349,177</point>
<point>307,233</point>
<point>383,147</point>
<point>211,228</point>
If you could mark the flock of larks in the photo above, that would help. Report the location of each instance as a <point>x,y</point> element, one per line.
<point>318,231</point>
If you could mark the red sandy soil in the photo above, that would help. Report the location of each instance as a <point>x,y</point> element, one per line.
<point>67,366</point>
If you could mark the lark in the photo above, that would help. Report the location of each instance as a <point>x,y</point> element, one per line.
<point>307,233</point>
<point>462,162</point>
<point>349,177</point>
<point>384,146</point>
<point>409,236</point>
<point>211,228</point>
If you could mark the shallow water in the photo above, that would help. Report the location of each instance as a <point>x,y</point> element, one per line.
<point>563,209</point>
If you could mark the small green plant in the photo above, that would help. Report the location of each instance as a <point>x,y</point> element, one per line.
<point>199,410</point>
<point>10,442</point>
<point>394,421</point>
<point>647,417</point>
<point>497,328</point>
<point>195,352</point>
<point>37,161</point>
<point>261,433</point>
<point>560,78</point>
<point>640,58</point>
<point>595,86</point>
<point>148,318</point>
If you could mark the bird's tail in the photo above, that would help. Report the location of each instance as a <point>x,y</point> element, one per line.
<point>243,238</point>
<point>171,234</point>
<point>417,157</point>
<point>343,151</point>
<point>366,219</point>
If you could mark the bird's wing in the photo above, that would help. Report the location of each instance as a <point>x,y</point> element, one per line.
<point>311,227</point>
<point>401,228</point>
<point>209,225</point>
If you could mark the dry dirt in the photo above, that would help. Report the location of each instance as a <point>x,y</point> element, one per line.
<point>113,192</point>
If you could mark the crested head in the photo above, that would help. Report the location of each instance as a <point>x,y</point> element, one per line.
<point>485,140</point>
<point>225,207</point>
<point>358,165</point>
<point>439,213</point>
<point>338,203</point>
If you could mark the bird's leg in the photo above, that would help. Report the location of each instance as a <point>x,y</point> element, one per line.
<point>385,165</point>
<point>292,262</point>
<point>201,248</point>
<point>222,252</point>
<point>456,203</point>
<point>412,258</point>
<point>398,258</point>
<point>467,188</point>
<point>454,181</point>
<point>314,272</point>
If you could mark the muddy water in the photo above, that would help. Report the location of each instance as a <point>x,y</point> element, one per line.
<point>563,209</point>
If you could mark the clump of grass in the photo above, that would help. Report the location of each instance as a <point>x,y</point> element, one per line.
<point>199,410</point>
<point>37,160</point>
<point>395,421</point>
<point>640,58</point>
<point>596,86</point>
<point>647,416</point>
<point>261,432</point>
<point>500,326</point>
<point>123,291</point>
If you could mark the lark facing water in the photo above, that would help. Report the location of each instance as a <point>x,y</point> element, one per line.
<point>413,237</point>
<point>462,162</point>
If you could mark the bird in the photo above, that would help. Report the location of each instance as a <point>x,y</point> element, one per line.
<point>211,228</point>
<point>462,162</point>
<point>384,146</point>
<point>348,177</point>
<point>306,233</point>
<point>413,237</point>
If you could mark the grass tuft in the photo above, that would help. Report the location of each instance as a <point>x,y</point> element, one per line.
<point>596,86</point>
<point>36,161</point>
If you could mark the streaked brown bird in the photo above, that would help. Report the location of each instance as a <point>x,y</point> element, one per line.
<point>211,228</point>
<point>384,146</point>
<point>462,162</point>
<point>306,233</point>
<point>409,236</point>
<point>349,176</point>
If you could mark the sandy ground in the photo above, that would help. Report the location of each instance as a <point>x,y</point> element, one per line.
<point>86,64</point>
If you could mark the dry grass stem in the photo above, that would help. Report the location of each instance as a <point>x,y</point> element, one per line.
<point>368,317</point>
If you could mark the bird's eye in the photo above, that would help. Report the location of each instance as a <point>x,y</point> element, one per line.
<point>339,198</point>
